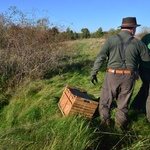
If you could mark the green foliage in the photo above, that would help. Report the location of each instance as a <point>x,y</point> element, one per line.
<point>61,134</point>
<point>99,33</point>
<point>85,33</point>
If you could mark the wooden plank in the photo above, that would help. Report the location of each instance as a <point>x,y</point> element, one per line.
<point>87,115</point>
<point>83,109</point>
<point>65,104</point>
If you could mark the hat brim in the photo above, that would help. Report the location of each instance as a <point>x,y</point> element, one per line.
<point>130,26</point>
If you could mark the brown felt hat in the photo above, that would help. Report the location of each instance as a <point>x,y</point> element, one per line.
<point>129,22</point>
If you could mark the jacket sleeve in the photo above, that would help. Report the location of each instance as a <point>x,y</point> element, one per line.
<point>101,58</point>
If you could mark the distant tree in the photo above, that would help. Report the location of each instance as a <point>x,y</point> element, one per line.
<point>68,35</point>
<point>71,35</point>
<point>54,31</point>
<point>68,30</point>
<point>113,31</point>
<point>76,35</point>
<point>98,33</point>
<point>85,33</point>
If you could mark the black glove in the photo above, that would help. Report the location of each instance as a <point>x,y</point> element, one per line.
<point>93,78</point>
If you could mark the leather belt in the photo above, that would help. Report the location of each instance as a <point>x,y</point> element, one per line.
<point>120,71</point>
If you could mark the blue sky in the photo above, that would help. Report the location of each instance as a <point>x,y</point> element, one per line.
<point>91,14</point>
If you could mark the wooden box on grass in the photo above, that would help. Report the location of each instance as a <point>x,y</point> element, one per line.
<point>77,101</point>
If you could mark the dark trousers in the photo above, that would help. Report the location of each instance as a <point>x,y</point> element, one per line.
<point>142,99</point>
<point>119,87</point>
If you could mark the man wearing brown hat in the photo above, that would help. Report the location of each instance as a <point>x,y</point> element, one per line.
<point>123,53</point>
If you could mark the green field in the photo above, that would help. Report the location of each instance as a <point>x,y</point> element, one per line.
<point>33,121</point>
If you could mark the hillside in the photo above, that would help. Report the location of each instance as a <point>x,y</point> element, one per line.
<point>32,119</point>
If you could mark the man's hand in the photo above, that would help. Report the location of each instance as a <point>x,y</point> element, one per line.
<point>94,79</point>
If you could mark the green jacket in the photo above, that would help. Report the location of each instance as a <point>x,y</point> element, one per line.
<point>111,51</point>
<point>146,40</point>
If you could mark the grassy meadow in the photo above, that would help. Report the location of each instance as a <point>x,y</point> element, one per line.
<point>32,119</point>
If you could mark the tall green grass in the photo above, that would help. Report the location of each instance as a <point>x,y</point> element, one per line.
<point>33,121</point>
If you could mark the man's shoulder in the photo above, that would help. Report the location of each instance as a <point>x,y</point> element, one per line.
<point>138,43</point>
<point>112,37</point>
<point>138,40</point>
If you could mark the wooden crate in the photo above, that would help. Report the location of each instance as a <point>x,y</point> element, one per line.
<point>76,101</point>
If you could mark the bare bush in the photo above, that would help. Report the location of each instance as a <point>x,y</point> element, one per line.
<point>28,50</point>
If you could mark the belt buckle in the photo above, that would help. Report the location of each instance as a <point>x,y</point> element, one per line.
<point>113,71</point>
